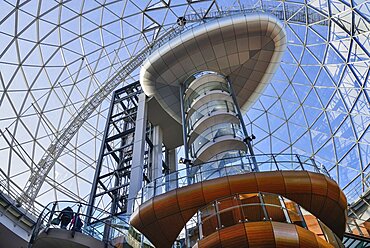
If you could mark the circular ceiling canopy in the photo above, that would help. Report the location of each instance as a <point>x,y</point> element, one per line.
<point>55,55</point>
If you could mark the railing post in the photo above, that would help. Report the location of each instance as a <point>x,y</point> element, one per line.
<point>244,128</point>
<point>200,227</point>
<point>273,158</point>
<point>301,215</point>
<point>36,228</point>
<point>285,211</point>
<point>263,206</point>
<point>154,187</point>
<point>315,165</point>
<point>358,228</point>
<point>51,216</point>
<point>75,220</point>
<point>218,215</point>
<point>299,161</point>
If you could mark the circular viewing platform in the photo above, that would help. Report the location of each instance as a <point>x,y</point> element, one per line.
<point>67,224</point>
<point>174,199</point>
<point>234,221</point>
<point>227,167</point>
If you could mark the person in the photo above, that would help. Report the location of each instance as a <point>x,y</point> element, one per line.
<point>77,222</point>
<point>65,217</point>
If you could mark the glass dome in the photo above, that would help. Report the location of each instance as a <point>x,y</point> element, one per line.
<point>54,56</point>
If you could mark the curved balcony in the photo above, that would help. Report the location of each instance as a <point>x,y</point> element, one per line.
<point>207,109</point>
<point>207,121</point>
<point>191,95</point>
<point>225,214</point>
<point>215,139</point>
<point>49,231</point>
<point>210,97</point>
<point>173,199</point>
<point>227,167</point>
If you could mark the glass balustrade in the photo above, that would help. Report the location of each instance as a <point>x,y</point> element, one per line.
<point>213,133</point>
<point>204,89</point>
<point>208,109</point>
<point>227,167</point>
<point>255,207</point>
<point>93,225</point>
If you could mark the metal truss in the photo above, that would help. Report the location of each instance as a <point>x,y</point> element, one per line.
<point>57,146</point>
<point>38,176</point>
<point>112,174</point>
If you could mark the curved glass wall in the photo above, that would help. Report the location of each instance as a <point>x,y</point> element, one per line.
<point>54,56</point>
<point>209,109</point>
<point>227,167</point>
<point>203,90</point>
<point>212,134</point>
<point>206,123</point>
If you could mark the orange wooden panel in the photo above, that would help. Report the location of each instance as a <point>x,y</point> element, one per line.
<point>335,214</point>
<point>260,234</point>
<point>147,215</point>
<point>285,235</point>
<point>322,243</point>
<point>215,188</point>
<point>239,183</point>
<point>272,182</point>
<point>188,213</point>
<point>234,236</point>
<point>319,184</point>
<point>298,187</point>
<point>190,196</point>
<point>166,204</point>
<point>304,200</point>
<point>263,235</point>
<point>313,224</point>
<point>171,224</point>
<point>135,219</point>
<point>333,189</point>
<point>156,235</point>
<point>317,204</point>
<point>342,200</point>
<point>190,199</point>
<point>212,241</point>
<point>306,238</point>
<point>297,182</point>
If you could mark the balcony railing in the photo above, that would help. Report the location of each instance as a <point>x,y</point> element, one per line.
<point>255,207</point>
<point>227,167</point>
<point>94,225</point>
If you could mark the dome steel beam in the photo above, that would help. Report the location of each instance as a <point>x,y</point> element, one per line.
<point>51,155</point>
<point>57,146</point>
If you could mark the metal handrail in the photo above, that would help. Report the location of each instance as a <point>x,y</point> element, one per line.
<point>99,220</point>
<point>227,167</point>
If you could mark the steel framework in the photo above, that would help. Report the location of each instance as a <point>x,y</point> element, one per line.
<point>56,147</point>
<point>112,175</point>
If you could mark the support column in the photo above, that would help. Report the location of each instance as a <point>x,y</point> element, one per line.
<point>157,152</point>
<point>244,128</point>
<point>184,131</point>
<point>172,165</point>
<point>172,160</point>
<point>136,178</point>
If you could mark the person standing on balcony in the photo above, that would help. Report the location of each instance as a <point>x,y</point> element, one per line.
<point>77,223</point>
<point>65,217</point>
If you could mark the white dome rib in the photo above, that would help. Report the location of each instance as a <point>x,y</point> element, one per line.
<point>54,56</point>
